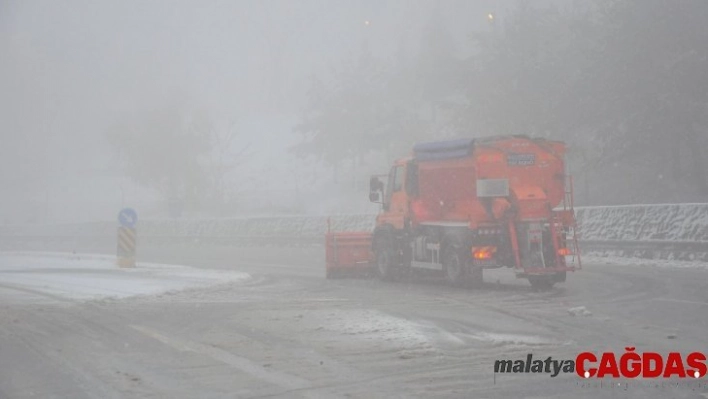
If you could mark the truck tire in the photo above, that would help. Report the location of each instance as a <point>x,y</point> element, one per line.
<point>386,264</point>
<point>332,274</point>
<point>454,265</point>
<point>476,277</point>
<point>559,277</point>
<point>541,283</point>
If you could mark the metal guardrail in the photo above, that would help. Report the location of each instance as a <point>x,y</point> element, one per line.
<point>644,249</point>
<point>6,240</point>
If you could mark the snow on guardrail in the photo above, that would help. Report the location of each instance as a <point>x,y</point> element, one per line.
<point>664,231</point>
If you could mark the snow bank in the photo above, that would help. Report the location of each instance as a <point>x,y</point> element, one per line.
<point>85,277</point>
<point>634,261</point>
<point>672,222</point>
<point>667,232</point>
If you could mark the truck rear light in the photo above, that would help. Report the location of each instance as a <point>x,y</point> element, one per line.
<point>483,253</point>
<point>564,251</point>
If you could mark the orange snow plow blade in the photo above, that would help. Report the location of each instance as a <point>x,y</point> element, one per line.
<point>350,251</point>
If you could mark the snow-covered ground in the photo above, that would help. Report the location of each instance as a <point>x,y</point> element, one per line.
<point>60,276</point>
<point>367,324</point>
<point>629,261</point>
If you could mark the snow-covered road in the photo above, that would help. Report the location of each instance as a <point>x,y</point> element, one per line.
<point>288,332</point>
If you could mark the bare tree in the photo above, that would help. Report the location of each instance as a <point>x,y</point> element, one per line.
<point>166,149</point>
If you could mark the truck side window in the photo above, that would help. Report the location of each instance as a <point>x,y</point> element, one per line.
<point>398,179</point>
<point>395,183</point>
<point>412,179</point>
<point>389,188</point>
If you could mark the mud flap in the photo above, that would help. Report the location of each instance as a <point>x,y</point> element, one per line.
<point>559,277</point>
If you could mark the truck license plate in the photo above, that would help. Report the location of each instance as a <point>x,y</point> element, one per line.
<point>521,159</point>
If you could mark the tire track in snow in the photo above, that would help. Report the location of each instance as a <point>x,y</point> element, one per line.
<point>286,381</point>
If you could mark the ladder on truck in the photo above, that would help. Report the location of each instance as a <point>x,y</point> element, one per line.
<point>564,219</point>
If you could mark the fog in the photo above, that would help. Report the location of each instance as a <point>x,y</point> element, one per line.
<point>77,75</point>
<point>73,70</point>
<point>194,198</point>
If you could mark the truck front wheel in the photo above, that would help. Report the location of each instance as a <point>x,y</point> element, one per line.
<point>386,263</point>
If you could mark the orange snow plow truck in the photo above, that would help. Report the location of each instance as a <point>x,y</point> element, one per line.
<point>462,206</point>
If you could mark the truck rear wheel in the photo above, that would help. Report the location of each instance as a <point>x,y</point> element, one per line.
<point>454,266</point>
<point>476,277</point>
<point>542,283</point>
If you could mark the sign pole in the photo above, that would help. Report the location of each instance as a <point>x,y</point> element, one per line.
<point>127,238</point>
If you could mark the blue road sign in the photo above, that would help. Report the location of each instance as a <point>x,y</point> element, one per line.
<point>128,217</point>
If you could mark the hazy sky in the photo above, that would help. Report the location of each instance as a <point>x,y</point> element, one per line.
<point>112,54</point>
<point>69,70</point>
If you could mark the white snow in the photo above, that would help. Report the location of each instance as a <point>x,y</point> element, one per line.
<point>369,324</point>
<point>626,261</point>
<point>87,277</point>
<point>579,311</point>
<point>417,336</point>
<point>513,339</point>
<point>672,222</point>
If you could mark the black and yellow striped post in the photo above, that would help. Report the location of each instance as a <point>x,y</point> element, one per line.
<point>127,241</point>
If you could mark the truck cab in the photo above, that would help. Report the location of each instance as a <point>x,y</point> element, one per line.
<point>395,195</point>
